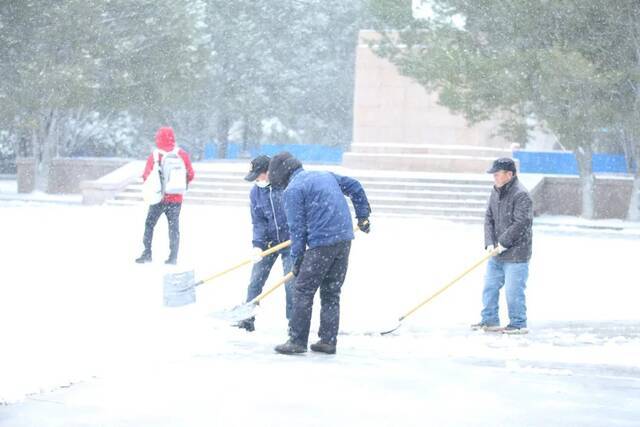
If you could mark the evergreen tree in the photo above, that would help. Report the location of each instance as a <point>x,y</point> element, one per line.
<point>571,65</point>
<point>73,56</point>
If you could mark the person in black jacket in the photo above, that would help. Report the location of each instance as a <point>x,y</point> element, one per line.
<point>508,230</point>
<point>321,232</point>
<point>269,229</point>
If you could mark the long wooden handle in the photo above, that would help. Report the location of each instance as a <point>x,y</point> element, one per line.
<point>276,248</point>
<point>269,251</point>
<point>279,283</point>
<point>451,283</point>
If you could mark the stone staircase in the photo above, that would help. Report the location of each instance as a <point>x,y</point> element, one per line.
<point>441,197</point>
<point>459,197</point>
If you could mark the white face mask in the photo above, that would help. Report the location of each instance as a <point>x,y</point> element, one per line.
<point>262,184</point>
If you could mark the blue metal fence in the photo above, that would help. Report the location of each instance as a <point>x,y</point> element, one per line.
<point>565,163</point>
<point>543,162</point>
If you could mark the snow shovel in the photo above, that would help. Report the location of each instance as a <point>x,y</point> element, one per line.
<point>180,288</point>
<point>246,310</point>
<point>441,290</point>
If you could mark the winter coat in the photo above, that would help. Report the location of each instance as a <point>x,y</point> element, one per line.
<point>268,217</point>
<point>509,220</point>
<point>166,141</point>
<point>317,212</point>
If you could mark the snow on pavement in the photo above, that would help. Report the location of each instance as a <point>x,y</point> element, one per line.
<point>77,311</point>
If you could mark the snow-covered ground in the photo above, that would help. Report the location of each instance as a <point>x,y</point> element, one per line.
<point>86,340</point>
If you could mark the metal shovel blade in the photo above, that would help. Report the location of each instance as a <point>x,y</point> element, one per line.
<point>391,330</point>
<point>238,313</point>
<point>179,289</point>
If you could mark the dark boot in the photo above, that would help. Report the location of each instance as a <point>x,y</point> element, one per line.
<point>145,257</point>
<point>290,348</point>
<point>323,347</point>
<point>247,324</point>
<point>171,260</point>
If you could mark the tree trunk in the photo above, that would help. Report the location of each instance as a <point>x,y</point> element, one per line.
<point>633,214</point>
<point>251,134</point>
<point>244,149</point>
<point>223,136</point>
<point>587,180</point>
<point>632,133</point>
<point>45,143</point>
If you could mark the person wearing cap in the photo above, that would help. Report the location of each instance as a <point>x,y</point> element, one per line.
<point>508,232</point>
<point>170,204</point>
<point>269,229</point>
<point>321,233</point>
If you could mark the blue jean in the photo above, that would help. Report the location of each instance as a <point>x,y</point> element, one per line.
<point>512,275</point>
<point>260,273</point>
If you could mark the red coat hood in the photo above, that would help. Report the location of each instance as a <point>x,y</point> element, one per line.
<point>165,139</point>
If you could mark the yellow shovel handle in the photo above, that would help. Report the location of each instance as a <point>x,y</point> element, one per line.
<point>276,248</point>
<point>280,282</point>
<point>451,283</point>
<point>276,285</point>
<point>269,251</point>
<point>222,273</point>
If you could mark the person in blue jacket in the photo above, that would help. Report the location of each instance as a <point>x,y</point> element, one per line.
<point>269,229</point>
<point>321,232</point>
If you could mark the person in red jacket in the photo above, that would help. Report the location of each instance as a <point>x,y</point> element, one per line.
<point>170,204</point>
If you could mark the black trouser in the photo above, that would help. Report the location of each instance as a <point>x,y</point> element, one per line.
<point>325,268</point>
<point>172,211</point>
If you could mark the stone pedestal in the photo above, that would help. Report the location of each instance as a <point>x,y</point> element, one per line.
<point>26,174</point>
<point>398,125</point>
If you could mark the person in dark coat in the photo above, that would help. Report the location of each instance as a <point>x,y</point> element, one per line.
<point>171,204</point>
<point>508,230</point>
<point>321,232</point>
<point>269,229</point>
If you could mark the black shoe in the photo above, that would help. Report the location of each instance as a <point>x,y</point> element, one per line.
<point>290,348</point>
<point>512,330</point>
<point>323,347</point>
<point>171,261</point>
<point>145,257</point>
<point>246,324</point>
<point>485,327</point>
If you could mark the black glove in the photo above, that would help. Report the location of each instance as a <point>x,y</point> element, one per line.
<point>295,269</point>
<point>364,225</point>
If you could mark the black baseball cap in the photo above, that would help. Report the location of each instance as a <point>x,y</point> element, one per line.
<point>258,165</point>
<point>503,164</point>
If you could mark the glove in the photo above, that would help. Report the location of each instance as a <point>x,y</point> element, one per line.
<point>256,255</point>
<point>364,225</point>
<point>295,269</point>
<point>499,249</point>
